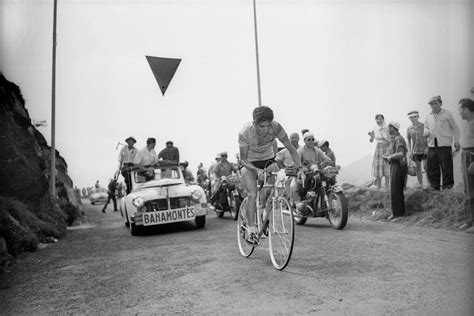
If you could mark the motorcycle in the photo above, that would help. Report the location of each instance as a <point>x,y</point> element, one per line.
<point>322,197</point>
<point>229,197</point>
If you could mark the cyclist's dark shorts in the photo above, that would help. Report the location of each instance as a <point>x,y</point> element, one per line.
<point>419,157</point>
<point>262,164</point>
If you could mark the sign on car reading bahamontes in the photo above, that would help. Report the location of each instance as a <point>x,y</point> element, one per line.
<point>160,195</point>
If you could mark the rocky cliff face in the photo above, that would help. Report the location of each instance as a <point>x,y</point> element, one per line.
<point>28,213</point>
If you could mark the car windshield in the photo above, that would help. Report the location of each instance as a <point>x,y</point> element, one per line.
<point>157,174</point>
<point>99,190</point>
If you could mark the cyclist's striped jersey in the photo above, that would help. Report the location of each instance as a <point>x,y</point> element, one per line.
<point>261,148</point>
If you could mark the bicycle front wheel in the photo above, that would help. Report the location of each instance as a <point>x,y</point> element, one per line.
<point>282,233</point>
<point>242,231</point>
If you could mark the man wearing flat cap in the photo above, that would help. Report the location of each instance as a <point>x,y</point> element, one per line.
<point>417,144</point>
<point>169,153</point>
<point>125,158</point>
<point>442,131</point>
<point>398,170</point>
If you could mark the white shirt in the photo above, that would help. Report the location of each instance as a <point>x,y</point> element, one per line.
<point>381,132</point>
<point>127,155</point>
<point>285,157</point>
<point>146,157</point>
<point>467,135</point>
<point>442,127</point>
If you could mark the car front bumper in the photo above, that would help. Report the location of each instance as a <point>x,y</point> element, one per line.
<point>170,215</point>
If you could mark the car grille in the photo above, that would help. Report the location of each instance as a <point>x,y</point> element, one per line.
<point>162,204</point>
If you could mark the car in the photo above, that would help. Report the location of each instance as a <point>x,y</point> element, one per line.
<point>160,196</point>
<point>98,195</point>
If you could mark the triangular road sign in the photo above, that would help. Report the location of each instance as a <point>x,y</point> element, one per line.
<point>163,69</point>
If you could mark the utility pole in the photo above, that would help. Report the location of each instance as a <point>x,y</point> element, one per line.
<point>256,51</point>
<point>53,110</point>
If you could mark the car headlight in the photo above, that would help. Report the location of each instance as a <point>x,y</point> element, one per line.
<point>138,202</point>
<point>196,194</point>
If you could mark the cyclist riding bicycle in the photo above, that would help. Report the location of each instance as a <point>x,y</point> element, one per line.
<point>256,144</point>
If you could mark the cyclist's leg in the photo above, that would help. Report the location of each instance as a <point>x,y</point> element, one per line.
<point>249,182</point>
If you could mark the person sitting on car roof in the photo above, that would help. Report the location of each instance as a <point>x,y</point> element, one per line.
<point>169,153</point>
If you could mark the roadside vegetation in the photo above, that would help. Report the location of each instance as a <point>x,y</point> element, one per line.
<point>428,208</point>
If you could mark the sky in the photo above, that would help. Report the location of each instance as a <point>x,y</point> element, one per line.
<point>328,66</point>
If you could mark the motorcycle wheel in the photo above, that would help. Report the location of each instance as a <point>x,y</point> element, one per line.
<point>338,212</point>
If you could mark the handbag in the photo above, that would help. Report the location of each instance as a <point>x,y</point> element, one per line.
<point>411,168</point>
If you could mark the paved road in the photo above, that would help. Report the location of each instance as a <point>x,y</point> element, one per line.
<point>368,268</point>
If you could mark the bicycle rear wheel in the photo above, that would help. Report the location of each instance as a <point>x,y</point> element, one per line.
<point>282,233</point>
<point>242,231</point>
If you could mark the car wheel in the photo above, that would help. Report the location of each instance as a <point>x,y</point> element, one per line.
<point>134,229</point>
<point>127,223</point>
<point>200,221</point>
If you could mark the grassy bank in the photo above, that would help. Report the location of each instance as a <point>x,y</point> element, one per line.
<point>428,208</point>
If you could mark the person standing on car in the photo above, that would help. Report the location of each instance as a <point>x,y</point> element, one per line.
<point>398,170</point>
<point>146,156</point>
<point>169,153</point>
<point>126,156</point>
<point>467,159</point>
<point>111,195</point>
<point>441,130</point>
<point>417,144</point>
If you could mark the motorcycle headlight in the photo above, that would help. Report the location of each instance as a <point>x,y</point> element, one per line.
<point>196,194</point>
<point>138,202</point>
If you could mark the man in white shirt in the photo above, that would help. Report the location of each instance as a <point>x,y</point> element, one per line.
<point>125,159</point>
<point>147,156</point>
<point>441,130</point>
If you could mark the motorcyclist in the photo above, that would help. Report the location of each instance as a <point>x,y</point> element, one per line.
<point>188,175</point>
<point>222,169</point>
<point>310,155</point>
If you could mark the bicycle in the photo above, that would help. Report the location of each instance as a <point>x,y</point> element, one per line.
<point>278,223</point>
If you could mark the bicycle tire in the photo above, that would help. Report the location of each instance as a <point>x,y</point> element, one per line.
<point>281,231</point>
<point>244,248</point>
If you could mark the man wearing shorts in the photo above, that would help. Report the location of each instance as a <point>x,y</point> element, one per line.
<point>417,144</point>
<point>256,144</point>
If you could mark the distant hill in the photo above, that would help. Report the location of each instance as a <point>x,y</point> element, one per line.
<point>359,172</point>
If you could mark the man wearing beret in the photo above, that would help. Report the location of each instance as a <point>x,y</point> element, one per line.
<point>125,158</point>
<point>441,130</point>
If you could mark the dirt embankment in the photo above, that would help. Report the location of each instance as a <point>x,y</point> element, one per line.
<point>429,208</point>
<point>28,214</point>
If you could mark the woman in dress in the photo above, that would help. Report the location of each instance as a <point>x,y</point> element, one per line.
<point>380,167</point>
